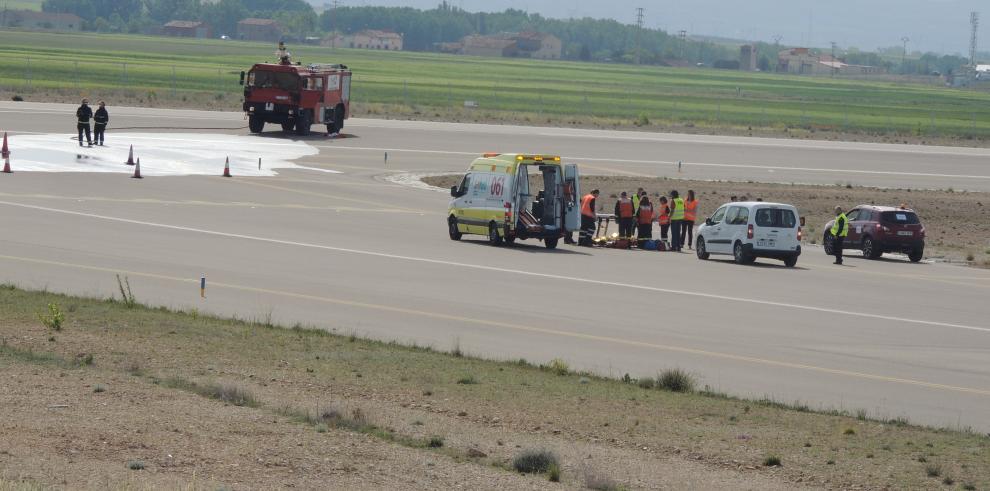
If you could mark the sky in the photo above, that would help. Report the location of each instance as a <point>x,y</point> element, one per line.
<point>931,25</point>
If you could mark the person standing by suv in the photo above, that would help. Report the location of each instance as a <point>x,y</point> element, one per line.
<point>100,121</point>
<point>83,115</point>
<point>690,215</point>
<point>840,229</point>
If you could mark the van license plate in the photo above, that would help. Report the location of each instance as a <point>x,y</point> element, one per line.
<point>766,243</point>
<point>905,233</point>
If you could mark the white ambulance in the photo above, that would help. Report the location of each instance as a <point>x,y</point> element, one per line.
<point>516,196</point>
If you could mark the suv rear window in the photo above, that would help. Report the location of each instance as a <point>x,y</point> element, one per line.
<point>900,217</point>
<point>775,217</point>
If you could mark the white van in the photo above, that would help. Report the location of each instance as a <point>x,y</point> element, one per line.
<point>516,196</point>
<point>751,229</point>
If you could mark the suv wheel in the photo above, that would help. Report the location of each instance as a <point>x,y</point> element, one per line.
<point>916,254</point>
<point>493,236</point>
<point>870,249</point>
<point>828,242</point>
<point>700,250</point>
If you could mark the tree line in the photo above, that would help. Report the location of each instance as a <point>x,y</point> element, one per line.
<point>584,39</point>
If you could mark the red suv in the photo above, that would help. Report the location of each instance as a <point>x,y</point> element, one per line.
<point>879,229</point>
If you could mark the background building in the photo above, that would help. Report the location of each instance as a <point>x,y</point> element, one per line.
<point>253,29</point>
<point>527,44</point>
<point>186,29</point>
<point>46,21</point>
<point>747,58</point>
<point>366,39</point>
<point>802,61</point>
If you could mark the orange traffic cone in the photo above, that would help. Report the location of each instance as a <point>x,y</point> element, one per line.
<point>137,170</point>
<point>6,165</point>
<point>4,151</point>
<point>130,156</point>
<point>226,168</point>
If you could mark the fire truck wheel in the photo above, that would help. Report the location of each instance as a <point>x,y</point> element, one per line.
<point>256,124</point>
<point>303,124</point>
<point>288,126</point>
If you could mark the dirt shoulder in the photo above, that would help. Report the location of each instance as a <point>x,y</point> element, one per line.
<point>214,101</point>
<point>119,386</point>
<point>955,222</point>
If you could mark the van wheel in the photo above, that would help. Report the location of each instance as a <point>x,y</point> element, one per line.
<point>493,236</point>
<point>551,242</point>
<point>916,254</point>
<point>739,254</point>
<point>870,250</point>
<point>790,261</point>
<point>828,241</point>
<point>699,248</point>
<point>452,229</point>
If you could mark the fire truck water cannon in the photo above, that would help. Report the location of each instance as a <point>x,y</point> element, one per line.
<point>296,96</point>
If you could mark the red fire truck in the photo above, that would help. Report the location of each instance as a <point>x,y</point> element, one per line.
<point>297,96</point>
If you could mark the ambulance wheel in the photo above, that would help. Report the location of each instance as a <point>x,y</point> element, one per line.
<point>700,250</point>
<point>551,242</point>
<point>256,124</point>
<point>493,236</point>
<point>452,229</point>
<point>288,126</point>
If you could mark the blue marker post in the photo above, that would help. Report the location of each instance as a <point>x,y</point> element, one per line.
<point>386,159</point>
<point>202,286</point>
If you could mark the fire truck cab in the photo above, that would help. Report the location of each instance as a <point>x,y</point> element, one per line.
<point>297,96</point>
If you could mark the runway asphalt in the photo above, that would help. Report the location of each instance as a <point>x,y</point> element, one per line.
<point>355,252</point>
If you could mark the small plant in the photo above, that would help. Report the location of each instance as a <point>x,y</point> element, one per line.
<point>126,296</point>
<point>535,461</point>
<point>99,388</point>
<point>53,320</point>
<point>87,359</point>
<point>849,431</point>
<point>600,482</point>
<point>772,461</point>
<point>553,473</point>
<point>861,414</point>
<point>456,352</point>
<point>17,98</point>
<point>435,442</point>
<point>933,470</point>
<point>321,428</point>
<point>830,462</point>
<point>642,120</point>
<point>807,444</point>
<point>135,465</point>
<point>558,367</point>
<point>970,257</point>
<point>948,481</point>
<point>922,459</point>
<point>467,380</point>
<point>675,380</point>
<point>627,379</point>
<point>968,486</point>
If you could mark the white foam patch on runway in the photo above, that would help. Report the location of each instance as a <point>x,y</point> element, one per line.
<point>161,154</point>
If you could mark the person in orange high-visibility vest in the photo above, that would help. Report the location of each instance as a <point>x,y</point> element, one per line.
<point>625,214</point>
<point>644,219</point>
<point>663,218</point>
<point>690,214</point>
<point>587,218</point>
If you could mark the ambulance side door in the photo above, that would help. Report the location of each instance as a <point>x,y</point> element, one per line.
<point>572,193</point>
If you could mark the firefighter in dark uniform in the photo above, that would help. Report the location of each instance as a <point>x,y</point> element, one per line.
<point>100,121</point>
<point>840,230</point>
<point>83,115</point>
<point>588,216</point>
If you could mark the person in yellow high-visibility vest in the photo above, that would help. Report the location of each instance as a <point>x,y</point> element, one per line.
<point>676,221</point>
<point>840,230</point>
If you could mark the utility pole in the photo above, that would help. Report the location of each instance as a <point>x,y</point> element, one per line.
<point>834,66</point>
<point>333,25</point>
<point>776,48</point>
<point>682,35</point>
<point>904,40</point>
<point>974,21</point>
<point>639,34</point>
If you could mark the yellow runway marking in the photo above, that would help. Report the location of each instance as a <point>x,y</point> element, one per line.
<point>520,327</point>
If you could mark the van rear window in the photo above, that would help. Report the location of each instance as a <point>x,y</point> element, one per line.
<point>899,217</point>
<point>775,217</point>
